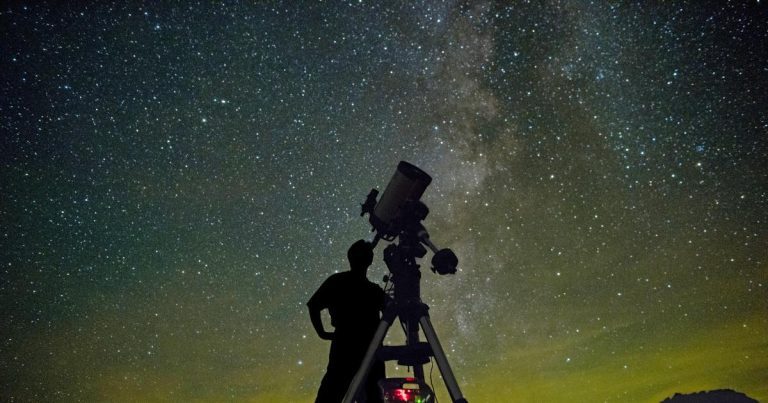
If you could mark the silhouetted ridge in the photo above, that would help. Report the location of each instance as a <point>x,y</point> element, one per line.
<point>713,396</point>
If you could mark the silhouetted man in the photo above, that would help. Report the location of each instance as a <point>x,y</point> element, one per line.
<point>355,305</point>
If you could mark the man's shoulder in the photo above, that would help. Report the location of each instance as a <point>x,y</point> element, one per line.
<point>334,280</point>
<point>338,275</point>
<point>351,279</point>
<point>375,286</point>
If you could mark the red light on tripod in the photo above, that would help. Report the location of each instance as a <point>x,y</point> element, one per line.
<point>405,390</point>
<point>403,395</point>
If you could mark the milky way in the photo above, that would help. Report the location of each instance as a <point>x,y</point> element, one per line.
<point>177,179</point>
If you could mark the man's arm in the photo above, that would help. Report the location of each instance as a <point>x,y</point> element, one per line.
<point>317,323</point>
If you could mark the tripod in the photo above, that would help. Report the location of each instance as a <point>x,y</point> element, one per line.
<point>406,305</point>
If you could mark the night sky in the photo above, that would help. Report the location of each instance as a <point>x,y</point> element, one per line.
<point>178,178</point>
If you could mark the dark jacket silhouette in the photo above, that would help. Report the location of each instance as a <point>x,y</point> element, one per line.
<point>355,305</point>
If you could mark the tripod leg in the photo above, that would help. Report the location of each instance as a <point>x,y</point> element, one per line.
<point>442,361</point>
<point>365,366</point>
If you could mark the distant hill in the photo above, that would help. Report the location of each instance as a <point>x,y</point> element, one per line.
<point>713,396</point>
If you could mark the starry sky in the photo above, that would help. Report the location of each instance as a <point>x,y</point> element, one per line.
<point>179,177</point>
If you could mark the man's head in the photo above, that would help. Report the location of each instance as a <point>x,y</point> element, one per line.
<point>360,255</point>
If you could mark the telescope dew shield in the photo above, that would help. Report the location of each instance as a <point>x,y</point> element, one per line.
<point>408,183</point>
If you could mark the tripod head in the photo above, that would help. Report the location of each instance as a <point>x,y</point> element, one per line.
<point>399,213</point>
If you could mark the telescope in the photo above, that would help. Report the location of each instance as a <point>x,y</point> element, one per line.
<point>396,217</point>
<point>400,211</point>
